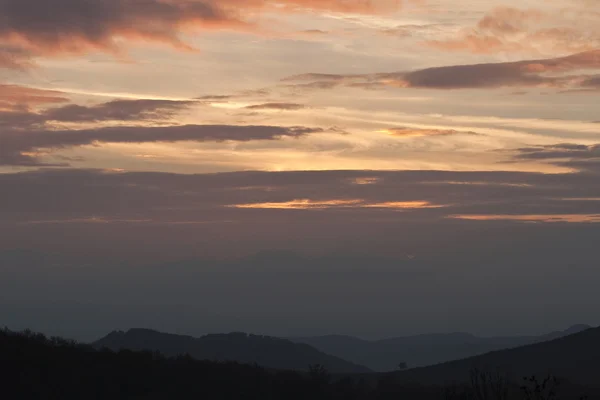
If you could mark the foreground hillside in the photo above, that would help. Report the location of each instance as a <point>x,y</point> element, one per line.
<point>575,358</point>
<point>421,350</point>
<point>35,367</point>
<point>252,349</point>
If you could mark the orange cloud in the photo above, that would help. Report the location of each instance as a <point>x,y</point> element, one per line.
<point>366,180</point>
<point>301,204</point>
<point>507,29</point>
<point>22,97</point>
<point>343,6</point>
<point>307,204</point>
<point>49,27</point>
<point>403,205</point>
<point>30,28</point>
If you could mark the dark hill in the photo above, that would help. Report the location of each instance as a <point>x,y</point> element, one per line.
<point>35,367</point>
<point>241,347</point>
<point>575,358</point>
<point>421,350</point>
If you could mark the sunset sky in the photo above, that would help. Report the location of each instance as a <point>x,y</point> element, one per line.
<point>461,137</point>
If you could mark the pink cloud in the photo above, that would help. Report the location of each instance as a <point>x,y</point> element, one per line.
<point>71,27</point>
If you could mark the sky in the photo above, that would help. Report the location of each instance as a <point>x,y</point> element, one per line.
<point>365,167</point>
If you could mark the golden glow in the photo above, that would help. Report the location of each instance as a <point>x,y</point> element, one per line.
<point>366,181</point>
<point>403,205</point>
<point>569,218</point>
<point>302,204</point>
<point>307,204</point>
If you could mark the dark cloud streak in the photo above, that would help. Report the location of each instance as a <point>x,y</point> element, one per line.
<point>17,144</point>
<point>277,106</point>
<point>551,72</point>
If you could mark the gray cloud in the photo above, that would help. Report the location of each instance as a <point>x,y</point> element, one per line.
<point>580,157</point>
<point>531,73</point>
<point>55,27</point>
<point>236,95</point>
<point>78,26</point>
<point>592,82</point>
<point>16,144</point>
<point>559,151</point>
<point>117,110</point>
<point>277,106</point>
<point>415,132</point>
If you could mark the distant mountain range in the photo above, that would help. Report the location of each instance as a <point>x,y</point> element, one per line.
<point>241,347</point>
<point>574,358</point>
<point>421,350</point>
<point>339,354</point>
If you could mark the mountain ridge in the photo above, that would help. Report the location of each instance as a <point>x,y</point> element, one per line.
<point>423,349</point>
<point>266,351</point>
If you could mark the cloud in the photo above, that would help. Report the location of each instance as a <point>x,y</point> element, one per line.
<point>18,115</point>
<point>277,106</point>
<point>303,6</point>
<point>77,26</point>
<point>415,132</point>
<point>70,27</point>
<point>16,58</point>
<point>549,218</point>
<point>117,110</point>
<point>317,32</point>
<point>551,72</point>
<point>512,30</point>
<point>307,204</point>
<point>591,82</point>
<point>220,97</point>
<point>22,147</point>
<point>223,98</point>
<point>558,151</point>
<point>580,157</point>
<point>15,97</point>
<point>267,196</point>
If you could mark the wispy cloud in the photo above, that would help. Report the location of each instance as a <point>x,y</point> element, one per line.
<point>415,132</point>
<point>548,218</point>
<point>513,30</point>
<point>15,97</point>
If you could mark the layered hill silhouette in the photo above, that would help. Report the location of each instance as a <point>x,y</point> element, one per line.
<point>421,350</point>
<point>35,367</point>
<point>239,347</point>
<point>574,358</point>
